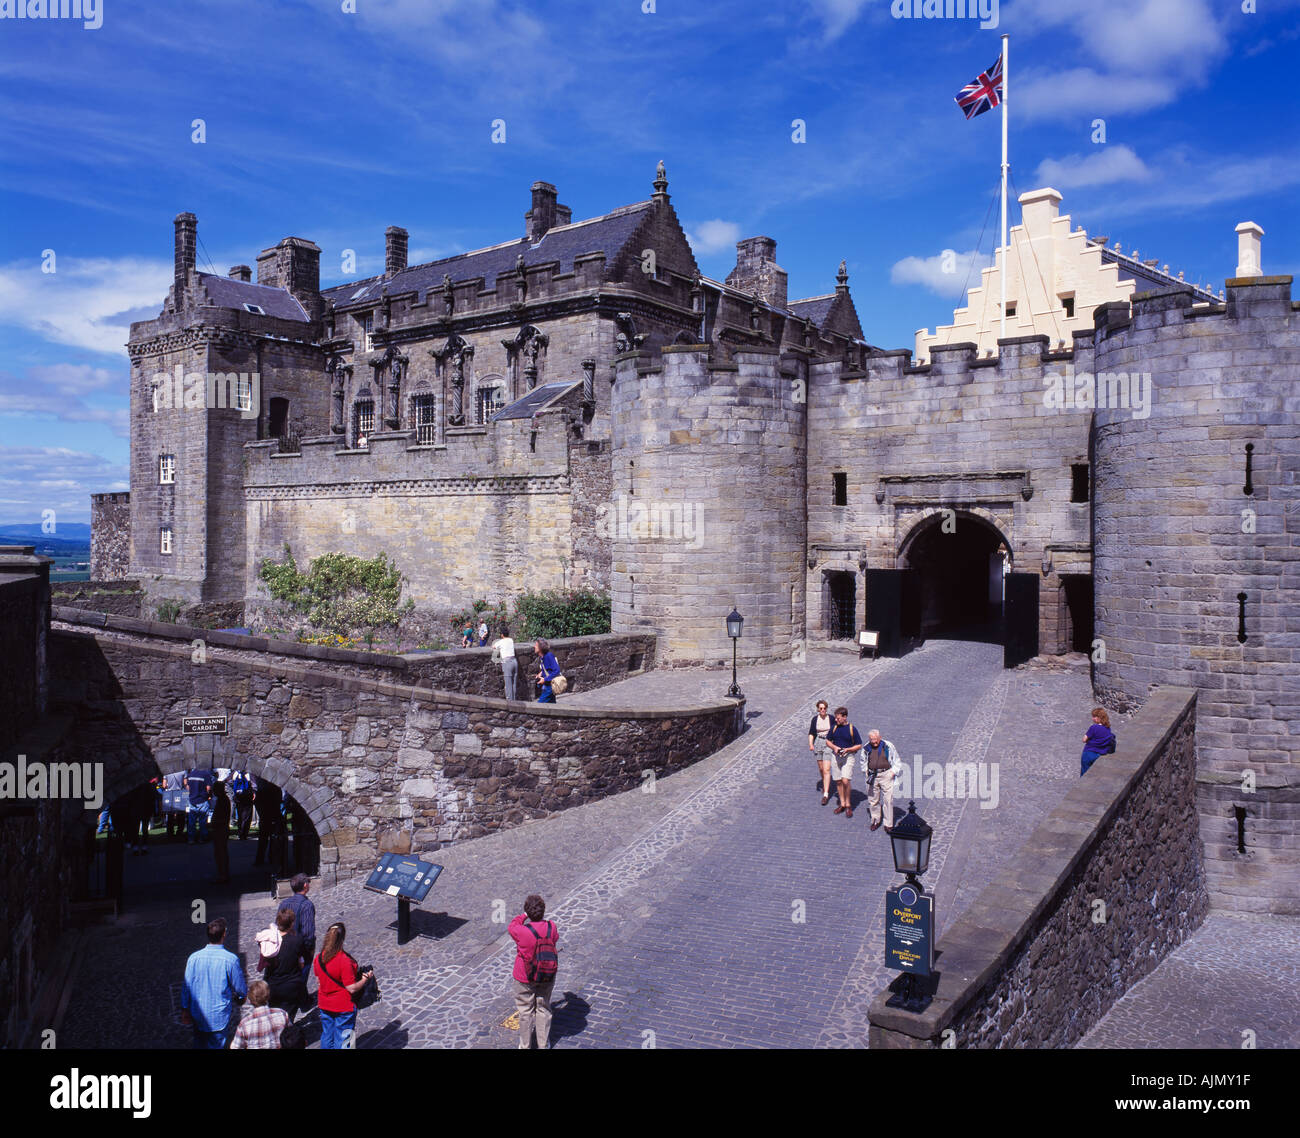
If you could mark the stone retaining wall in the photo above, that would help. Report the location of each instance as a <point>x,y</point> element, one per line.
<point>377,765</point>
<point>121,598</point>
<point>1107,886</point>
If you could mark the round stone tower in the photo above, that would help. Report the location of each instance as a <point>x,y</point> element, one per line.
<point>709,505</point>
<point>1197,556</point>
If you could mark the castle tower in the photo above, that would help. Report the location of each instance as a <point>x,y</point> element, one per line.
<point>708,510</point>
<point>1197,547</point>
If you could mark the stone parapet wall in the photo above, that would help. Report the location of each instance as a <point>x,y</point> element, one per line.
<point>1179,540</point>
<point>110,536</point>
<point>119,597</point>
<point>1107,885</point>
<point>376,765</point>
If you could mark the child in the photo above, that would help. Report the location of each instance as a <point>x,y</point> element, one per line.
<point>1100,740</point>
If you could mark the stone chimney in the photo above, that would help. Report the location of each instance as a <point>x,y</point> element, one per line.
<point>293,265</point>
<point>187,238</point>
<point>1248,251</point>
<point>756,271</point>
<point>240,273</point>
<point>395,241</point>
<point>542,216</point>
<point>1038,209</point>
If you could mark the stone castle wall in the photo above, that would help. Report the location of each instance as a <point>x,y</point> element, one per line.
<point>110,536</point>
<point>1107,885</point>
<point>972,435</point>
<point>1178,538</point>
<point>709,463</point>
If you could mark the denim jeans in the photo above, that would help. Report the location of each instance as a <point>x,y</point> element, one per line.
<point>547,696</point>
<point>196,816</point>
<point>1086,760</point>
<point>335,1027</point>
<point>216,1040</point>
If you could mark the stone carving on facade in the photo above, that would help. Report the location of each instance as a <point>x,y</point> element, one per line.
<point>523,351</point>
<point>448,295</point>
<point>456,358</point>
<point>396,367</point>
<point>340,374</point>
<point>627,339</point>
<point>521,280</point>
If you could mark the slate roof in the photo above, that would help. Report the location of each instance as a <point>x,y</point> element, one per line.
<point>607,234</point>
<point>227,292</point>
<point>1147,278</point>
<point>536,400</point>
<point>814,308</point>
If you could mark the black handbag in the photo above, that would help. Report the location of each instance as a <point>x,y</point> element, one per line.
<point>369,993</point>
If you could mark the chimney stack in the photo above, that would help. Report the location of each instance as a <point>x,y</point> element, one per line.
<point>187,238</point>
<point>542,216</point>
<point>1248,252</point>
<point>294,265</point>
<point>756,271</point>
<point>240,273</point>
<point>395,242</point>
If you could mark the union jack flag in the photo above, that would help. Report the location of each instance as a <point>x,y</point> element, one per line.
<point>983,93</point>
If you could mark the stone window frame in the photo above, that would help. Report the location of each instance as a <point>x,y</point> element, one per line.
<point>423,397</point>
<point>166,546</point>
<point>493,381</point>
<point>364,397</point>
<point>166,470</point>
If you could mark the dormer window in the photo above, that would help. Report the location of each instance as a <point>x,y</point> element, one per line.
<point>255,309</point>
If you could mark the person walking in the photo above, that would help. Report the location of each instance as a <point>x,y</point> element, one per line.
<point>339,978</point>
<point>196,815</point>
<point>548,670</point>
<point>304,921</point>
<point>242,785</point>
<point>533,978</point>
<point>221,831</point>
<point>267,800</point>
<point>881,764</point>
<point>214,985</point>
<point>844,743</point>
<point>1099,740</point>
<point>175,818</point>
<point>482,633</point>
<point>283,972</point>
<point>818,729</point>
<point>261,1026</point>
<point>503,649</point>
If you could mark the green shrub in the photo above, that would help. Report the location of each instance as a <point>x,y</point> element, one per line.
<point>169,610</point>
<point>556,613</point>
<point>339,592</point>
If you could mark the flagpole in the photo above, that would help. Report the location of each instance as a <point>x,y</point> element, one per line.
<point>1006,252</point>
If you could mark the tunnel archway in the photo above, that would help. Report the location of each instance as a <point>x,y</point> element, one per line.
<point>961,560</point>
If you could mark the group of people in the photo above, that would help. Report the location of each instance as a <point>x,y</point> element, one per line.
<point>548,667</point>
<point>214,985</point>
<point>837,745</point>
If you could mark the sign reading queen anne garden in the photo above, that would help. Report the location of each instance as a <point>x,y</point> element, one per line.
<point>205,725</point>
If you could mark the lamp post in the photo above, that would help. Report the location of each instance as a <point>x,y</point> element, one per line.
<point>909,912</point>
<point>734,624</point>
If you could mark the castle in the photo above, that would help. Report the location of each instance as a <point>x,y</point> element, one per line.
<point>581,406</point>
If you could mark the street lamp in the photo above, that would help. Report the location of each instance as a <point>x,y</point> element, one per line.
<point>734,623</point>
<point>911,842</point>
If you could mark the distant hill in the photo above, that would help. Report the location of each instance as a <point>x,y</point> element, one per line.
<point>75,533</point>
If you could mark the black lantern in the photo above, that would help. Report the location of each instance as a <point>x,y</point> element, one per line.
<point>911,841</point>
<point>734,624</point>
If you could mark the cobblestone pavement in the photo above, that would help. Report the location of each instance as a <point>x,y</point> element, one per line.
<point>720,906</point>
<point>1232,983</point>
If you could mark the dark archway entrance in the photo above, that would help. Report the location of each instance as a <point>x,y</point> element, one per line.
<point>1076,597</point>
<point>841,604</point>
<point>959,561</point>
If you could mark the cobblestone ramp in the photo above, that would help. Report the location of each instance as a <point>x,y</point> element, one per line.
<point>750,914</point>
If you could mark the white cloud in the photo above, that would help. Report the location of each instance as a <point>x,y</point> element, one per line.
<point>1107,164</point>
<point>33,479</point>
<point>837,15</point>
<point>713,236</point>
<point>54,392</point>
<point>1082,93</point>
<point>86,303</point>
<point>948,273</point>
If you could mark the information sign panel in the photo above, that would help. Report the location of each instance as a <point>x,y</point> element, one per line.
<point>402,875</point>
<point>909,930</point>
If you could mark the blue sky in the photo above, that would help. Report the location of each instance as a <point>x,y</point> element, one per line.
<point>333,124</point>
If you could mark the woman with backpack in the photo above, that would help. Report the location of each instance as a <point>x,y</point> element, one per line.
<point>340,979</point>
<point>548,672</point>
<point>536,961</point>
<point>1100,740</point>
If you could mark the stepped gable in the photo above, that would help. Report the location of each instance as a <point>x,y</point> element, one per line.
<point>608,233</point>
<point>227,292</point>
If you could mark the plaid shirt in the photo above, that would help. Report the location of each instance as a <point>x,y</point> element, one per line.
<point>260,1029</point>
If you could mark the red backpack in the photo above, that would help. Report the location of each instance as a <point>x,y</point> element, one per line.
<point>546,961</point>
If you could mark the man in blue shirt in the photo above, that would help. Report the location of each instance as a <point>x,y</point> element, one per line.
<point>844,743</point>
<point>200,784</point>
<point>214,984</point>
<point>304,918</point>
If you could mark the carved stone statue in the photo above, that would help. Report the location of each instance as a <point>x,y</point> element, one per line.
<point>521,280</point>
<point>627,340</point>
<point>448,294</point>
<point>842,277</point>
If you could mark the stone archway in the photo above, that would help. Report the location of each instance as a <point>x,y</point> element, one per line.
<point>960,558</point>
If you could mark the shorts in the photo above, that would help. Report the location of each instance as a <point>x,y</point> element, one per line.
<point>840,771</point>
<point>820,751</point>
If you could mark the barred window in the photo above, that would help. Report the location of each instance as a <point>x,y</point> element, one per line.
<point>424,410</point>
<point>490,401</point>
<point>363,418</point>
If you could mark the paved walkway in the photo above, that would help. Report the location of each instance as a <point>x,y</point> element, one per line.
<point>722,906</point>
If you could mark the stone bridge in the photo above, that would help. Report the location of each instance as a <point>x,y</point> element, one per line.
<point>378,759</point>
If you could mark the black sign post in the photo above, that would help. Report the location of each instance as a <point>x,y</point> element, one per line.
<point>408,879</point>
<point>909,941</point>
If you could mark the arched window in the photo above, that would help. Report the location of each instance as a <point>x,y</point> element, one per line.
<point>489,398</point>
